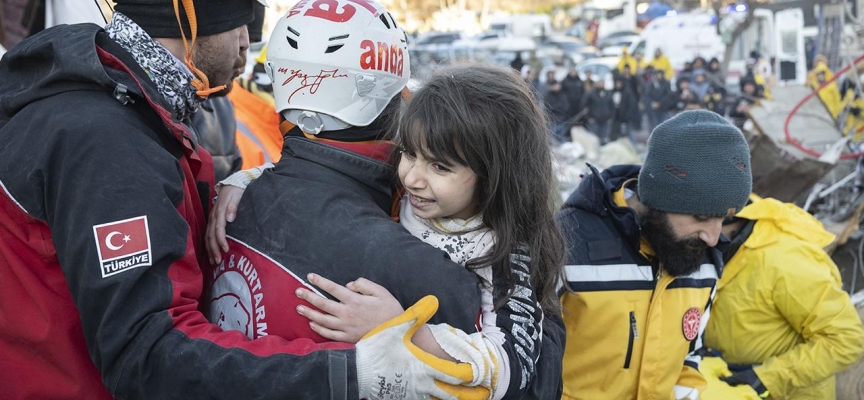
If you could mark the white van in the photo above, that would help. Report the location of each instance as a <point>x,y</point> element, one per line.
<point>533,26</point>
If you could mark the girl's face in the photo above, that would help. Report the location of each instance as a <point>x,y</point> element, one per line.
<point>437,189</point>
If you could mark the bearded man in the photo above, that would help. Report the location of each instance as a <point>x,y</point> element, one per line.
<point>643,261</point>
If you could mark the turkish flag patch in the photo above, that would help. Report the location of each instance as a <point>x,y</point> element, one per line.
<point>690,323</point>
<point>123,245</point>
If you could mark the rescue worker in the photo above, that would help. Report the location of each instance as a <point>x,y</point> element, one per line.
<point>214,125</point>
<point>854,124</point>
<point>780,317</point>
<point>830,94</point>
<point>643,261</point>
<point>104,200</point>
<point>661,63</point>
<point>626,60</point>
<point>338,137</point>
<point>258,137</point>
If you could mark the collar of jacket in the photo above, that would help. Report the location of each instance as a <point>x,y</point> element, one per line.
<point>594,195</point>
<point>373,173</point>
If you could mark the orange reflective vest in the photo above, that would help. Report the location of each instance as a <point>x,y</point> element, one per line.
<point>258,136</point>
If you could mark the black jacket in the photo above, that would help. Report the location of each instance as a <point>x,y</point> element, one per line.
<point>575,90</point>
<point>627,109</point>
<point>89,156</point>
<point>214,128</point>
<point>558,105</point>
<point>599,104</point>
<point>661,92</point>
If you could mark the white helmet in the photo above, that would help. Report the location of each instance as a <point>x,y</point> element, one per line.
<point>336,63</point>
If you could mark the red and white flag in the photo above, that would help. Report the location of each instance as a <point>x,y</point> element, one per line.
<point>123,245</point>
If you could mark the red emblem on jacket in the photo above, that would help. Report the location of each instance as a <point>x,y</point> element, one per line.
<point>690,323</point>
<point>123,245</point>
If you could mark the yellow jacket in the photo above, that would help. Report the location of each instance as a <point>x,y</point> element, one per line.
<point>830,95</point>
<point>779,304</point>
<point>628,60</point>
<point>662,63</point>
<point>854,123</point>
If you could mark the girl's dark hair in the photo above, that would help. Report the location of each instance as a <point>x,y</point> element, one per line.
<point>485,117</point>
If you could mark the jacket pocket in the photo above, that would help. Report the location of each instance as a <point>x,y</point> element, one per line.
<point>632,337</point>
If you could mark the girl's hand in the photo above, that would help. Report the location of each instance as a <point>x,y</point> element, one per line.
<point>223,212</point>
<point>362,306</point>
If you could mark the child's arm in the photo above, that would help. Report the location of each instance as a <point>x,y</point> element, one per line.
<point>504,355</point>
<point>362,306</point>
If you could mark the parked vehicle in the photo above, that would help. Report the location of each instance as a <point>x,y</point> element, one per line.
<point>564,50</point>
<point>620,38</point>
<point>611,16</point>
<point>534,26</point>
<point>436,40</point>
<point>600,68</point>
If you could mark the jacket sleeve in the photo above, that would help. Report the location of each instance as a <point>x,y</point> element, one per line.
<point>518,329</point>
<point>511,337</point>
<point>691,382</point>
<point>141,324</point>
<point>814,304</point>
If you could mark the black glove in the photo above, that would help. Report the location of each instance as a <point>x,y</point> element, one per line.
<point>747,377</point>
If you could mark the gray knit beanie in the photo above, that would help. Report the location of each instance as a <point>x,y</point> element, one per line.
<point>697,163</point>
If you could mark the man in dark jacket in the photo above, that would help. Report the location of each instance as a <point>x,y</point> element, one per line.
<point>643,261</point>
<point>105,199</point>
<point>657,95</point>
<point>625,108</point>
<point>742,103</point>
<point>574,88</point>
<point>558,106</point>
<point>601,109</point>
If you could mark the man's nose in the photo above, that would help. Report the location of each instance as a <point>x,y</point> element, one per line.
<point>710,233</point>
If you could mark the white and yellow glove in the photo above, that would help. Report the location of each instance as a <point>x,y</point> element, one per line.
<point>390,367</point>
<point>474,350</point>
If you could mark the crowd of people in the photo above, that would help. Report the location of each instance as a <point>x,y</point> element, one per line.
<point>381,243</point>
<point>642,94</point>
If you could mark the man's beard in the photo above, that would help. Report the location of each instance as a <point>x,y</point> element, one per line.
<point>677,257</point>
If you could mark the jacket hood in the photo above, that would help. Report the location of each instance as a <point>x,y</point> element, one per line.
<point>594,195</point>
<point>774,216</point>
<point>61,59</point>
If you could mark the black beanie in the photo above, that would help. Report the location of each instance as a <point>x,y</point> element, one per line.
<point>697,163</point>
<point>157,17</point>
<point>256,27</point>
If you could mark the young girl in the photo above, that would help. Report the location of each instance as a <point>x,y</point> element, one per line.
<point>475,168</point>
<point>474,165</point>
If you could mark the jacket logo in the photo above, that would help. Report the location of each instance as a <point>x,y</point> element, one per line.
<point>123,245</point>
<point>690,323</point>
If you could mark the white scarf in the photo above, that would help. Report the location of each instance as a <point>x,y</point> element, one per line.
<point>462,239</point>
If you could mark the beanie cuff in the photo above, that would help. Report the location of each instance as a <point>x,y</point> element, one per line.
<point>157,18</point>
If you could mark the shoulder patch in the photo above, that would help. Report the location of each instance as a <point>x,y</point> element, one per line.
<point>123,245</point>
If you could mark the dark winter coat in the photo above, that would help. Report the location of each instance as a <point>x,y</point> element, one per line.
<point>575,90</point>
<point>558,106</point>
<point>660,92</point>
<point>599,104</point>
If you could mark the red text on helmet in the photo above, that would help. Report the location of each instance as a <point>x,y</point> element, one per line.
<point>382,57</point>
<point>329,9</point>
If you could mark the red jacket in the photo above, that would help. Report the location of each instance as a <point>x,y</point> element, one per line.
<point>102,211</point>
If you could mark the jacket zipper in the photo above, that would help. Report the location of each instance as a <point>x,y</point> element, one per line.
<point>633,335</point>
